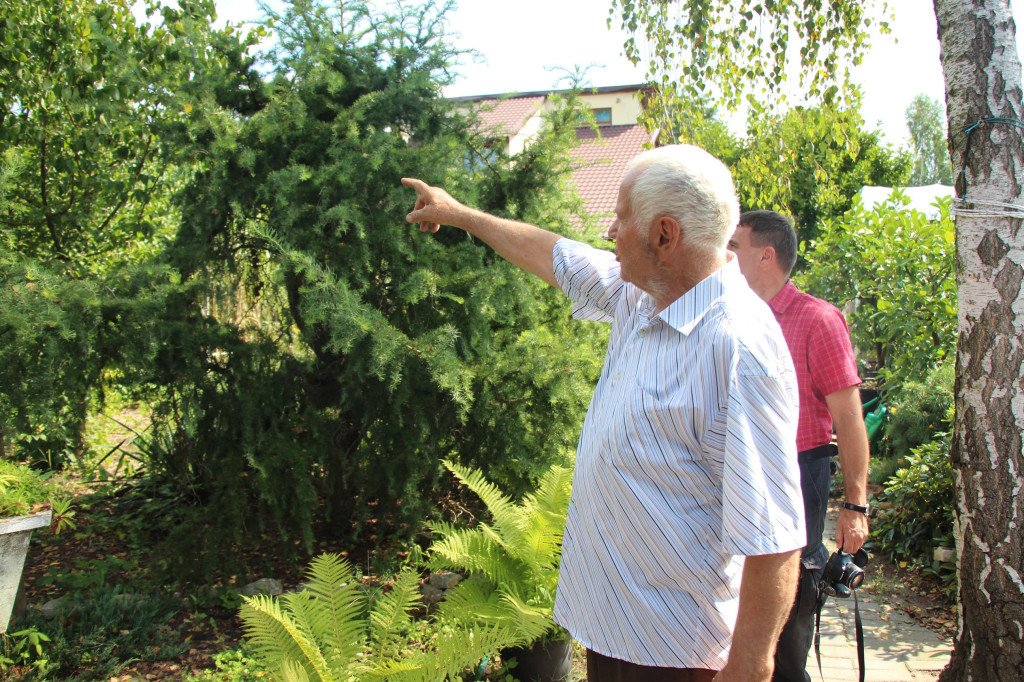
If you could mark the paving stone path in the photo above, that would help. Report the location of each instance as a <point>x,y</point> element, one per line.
<point>896,647</point>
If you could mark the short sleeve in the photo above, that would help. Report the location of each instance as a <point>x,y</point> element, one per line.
<point>762,510</point>
<point>830,357</point>
<point>590,277</point>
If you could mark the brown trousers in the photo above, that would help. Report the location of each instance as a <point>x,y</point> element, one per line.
<point>601,668</point>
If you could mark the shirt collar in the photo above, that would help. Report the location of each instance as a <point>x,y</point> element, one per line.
<point>784,298</point>
<point>685,312</point>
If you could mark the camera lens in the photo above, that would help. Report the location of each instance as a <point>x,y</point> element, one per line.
<point>856,578</point>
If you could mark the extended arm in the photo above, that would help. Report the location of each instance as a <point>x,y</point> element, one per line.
<point>524,245</point>
<point>768,582</point>
<point>845,407</point>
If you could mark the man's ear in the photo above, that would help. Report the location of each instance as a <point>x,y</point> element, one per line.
<point>667,235</point>
<point>768,255</point>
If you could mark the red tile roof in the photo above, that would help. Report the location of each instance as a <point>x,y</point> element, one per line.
<point>501,118</point>
<point>601,164</point>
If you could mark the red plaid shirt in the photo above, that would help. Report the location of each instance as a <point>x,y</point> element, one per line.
<point>819,342</point>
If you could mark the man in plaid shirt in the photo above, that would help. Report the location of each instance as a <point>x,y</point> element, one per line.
<point>819,341</point>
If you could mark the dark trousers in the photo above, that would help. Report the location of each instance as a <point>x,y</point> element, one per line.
<point>798,632</point>
<point>602,668</point>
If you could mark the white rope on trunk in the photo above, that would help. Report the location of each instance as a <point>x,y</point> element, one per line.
<point>977,208</point>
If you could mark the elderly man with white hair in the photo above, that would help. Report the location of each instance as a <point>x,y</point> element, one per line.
<point>686,519</point>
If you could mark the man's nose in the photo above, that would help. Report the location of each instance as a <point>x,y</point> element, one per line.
<point>612,231</point>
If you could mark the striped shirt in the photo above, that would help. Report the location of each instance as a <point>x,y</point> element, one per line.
<point>687,461</point>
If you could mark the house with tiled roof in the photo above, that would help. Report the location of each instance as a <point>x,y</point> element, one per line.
<point>601,156</point>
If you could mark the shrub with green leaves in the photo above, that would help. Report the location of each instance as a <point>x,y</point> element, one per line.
<point>328,354</point>
<point>48,362</point>
<point>310,357</point>
<point>810,162</point>
<point>235,665</point>
<point>915,511</point>
<point>897,266</point>
<point>93,142</point>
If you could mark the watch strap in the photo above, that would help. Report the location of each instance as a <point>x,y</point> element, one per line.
<point>862,508</point>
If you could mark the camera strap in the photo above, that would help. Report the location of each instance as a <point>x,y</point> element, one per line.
<point>822,598</point>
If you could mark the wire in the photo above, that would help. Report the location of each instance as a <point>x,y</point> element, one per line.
<point>960,184</point>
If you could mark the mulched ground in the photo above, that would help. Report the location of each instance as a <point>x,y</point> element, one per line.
<point>208,629</point>
<point>215,631</point>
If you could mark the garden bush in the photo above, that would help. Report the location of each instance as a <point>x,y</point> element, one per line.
<point>897,266</point>
<point>48,363</point>
<point>918,410</point>
<point>308,356</point>
<point>23,491</point>
<point>236,665</point>
<point>323,354</point>
<point>915,511</point>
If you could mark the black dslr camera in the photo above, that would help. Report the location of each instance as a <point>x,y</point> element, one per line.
<point>844,573</point>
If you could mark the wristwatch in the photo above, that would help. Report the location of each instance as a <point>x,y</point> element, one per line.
<point>862,508</point>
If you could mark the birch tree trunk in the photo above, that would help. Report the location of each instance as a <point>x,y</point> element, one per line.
<point>983,81</point>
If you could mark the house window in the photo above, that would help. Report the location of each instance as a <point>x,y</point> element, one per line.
<point>603,117</point>
<point>479,160</point>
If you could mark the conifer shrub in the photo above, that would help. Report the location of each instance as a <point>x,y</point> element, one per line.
<point>919,410</point>
<point>48,361</point>
<point>319,354</point>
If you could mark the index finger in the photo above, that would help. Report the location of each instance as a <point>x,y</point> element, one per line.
<point>418,185</point>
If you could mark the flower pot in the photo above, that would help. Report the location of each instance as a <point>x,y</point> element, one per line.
<point>548,661</point>
<point>14,536</point>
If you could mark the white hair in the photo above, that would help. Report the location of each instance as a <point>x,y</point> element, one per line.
<point>688,184</point>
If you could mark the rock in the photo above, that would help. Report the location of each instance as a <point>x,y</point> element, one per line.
<point>268,586</point>
<point>431,593</point>
<point>51,608</point>
<point>445,580</point>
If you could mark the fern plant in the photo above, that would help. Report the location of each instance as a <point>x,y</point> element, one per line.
<point>513,561</point>
<point>339,630</point>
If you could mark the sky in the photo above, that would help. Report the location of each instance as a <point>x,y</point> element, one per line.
<point>529,45</point>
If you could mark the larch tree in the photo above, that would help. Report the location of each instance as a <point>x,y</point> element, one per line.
<point>705,48</point>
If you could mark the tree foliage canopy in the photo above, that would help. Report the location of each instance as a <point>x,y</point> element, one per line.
<point>926,123</point>
<point>811,163</point>
<point>91,150</point>
<point>743,52</point>
<point>309,357</point>
<point>89,101</point>
<point>897,265</point>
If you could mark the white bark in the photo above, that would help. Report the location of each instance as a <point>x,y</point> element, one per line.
<point>983,81</point>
